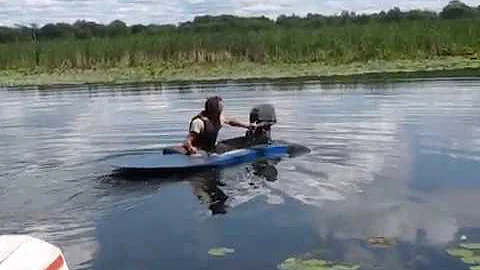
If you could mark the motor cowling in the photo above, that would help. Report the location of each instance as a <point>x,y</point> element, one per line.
<point>264,113</point>
<point>264,117</point>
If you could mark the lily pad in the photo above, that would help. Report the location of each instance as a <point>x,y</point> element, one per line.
<point>475,267</point>
<point>314,264</point>
<point>471,246</point>
<point>300,264</point>
<point>460,252</point>
<point>345,266</point>
<point>471,260</point>
<point>220,251</point>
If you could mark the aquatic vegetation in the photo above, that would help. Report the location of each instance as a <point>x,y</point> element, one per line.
<point>181,47</point>
<point>448,67</point>
<point>471,246</point>
<point>314,264</point>
<point>460,252</point>
<point>220,251</point>
<point>471,260</point>
<point>345,266</point>
<point>469,253</point>
<point>299,264</point>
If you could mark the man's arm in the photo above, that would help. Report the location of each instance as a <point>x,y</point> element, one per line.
<point>189,143</point>
<point>195,128</point>
<point>235,123</point>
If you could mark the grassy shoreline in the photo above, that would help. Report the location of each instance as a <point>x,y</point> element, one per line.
<point>247,71</point>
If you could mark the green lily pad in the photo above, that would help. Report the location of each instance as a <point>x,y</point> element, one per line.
<point>475,267</point>
<point>460,252</point>
<point>300,264</point>
<point>314,264</point>
<point>220,251</point>
<point>345,266</point>
<point>471,246</point>
<point>471,260</point>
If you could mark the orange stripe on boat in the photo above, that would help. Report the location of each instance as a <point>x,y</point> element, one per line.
<point>57,264</point>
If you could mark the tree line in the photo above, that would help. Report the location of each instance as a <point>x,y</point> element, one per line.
<point>82,29</point>
<point>347,38</point>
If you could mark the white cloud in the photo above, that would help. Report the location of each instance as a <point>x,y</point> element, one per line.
<point>363,165</point>
<point>159,12</point>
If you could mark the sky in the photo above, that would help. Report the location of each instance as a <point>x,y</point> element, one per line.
<point>41,12</point>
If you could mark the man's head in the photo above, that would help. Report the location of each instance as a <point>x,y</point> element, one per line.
<point>214,106</point>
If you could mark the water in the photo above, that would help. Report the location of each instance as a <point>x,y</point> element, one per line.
<point>393,159</point>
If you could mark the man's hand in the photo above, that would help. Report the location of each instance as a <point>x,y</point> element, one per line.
<point>192,150</point>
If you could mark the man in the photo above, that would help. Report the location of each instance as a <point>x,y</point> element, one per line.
<point>204,127</point>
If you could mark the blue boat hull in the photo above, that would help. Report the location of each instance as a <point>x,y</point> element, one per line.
<point>167,160</point>
<point>170,162</point>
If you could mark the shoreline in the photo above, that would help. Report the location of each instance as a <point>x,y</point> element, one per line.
<point>248,72</point>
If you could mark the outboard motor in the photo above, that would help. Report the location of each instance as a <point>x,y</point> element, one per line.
<point>264,116</point>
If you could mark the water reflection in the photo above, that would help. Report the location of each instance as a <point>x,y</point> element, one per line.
<point>207,184</point>
<point>388,159</point>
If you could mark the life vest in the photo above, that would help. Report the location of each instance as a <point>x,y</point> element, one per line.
<point>207,139</point>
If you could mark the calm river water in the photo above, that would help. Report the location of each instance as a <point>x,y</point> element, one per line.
<point>397,159</point>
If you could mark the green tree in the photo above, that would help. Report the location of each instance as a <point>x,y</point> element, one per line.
<point>117,28</point>
<point>457,10</point>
